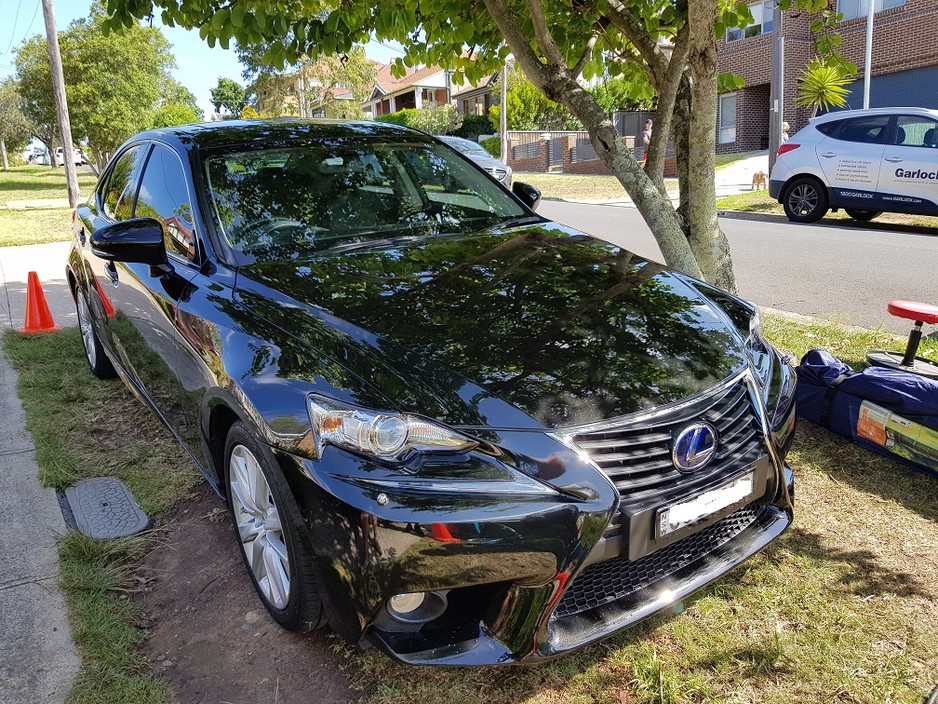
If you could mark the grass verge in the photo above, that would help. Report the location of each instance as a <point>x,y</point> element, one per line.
<point>18,227</point>
<point>578,187</point>
<point>82,427</point>
<point>761,202</point>
<point>844,607</point>
<point>39,182</point>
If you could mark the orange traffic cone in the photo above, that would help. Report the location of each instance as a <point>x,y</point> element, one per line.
<point>38,316</point>
<point>105,301</point>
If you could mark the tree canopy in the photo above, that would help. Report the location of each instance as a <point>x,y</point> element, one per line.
<point>230,96</point>
<point>14,127</point>
<point>117,85</point>
<point>555,43</point>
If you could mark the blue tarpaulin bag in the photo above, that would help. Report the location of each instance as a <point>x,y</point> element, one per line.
<point>887,411</point>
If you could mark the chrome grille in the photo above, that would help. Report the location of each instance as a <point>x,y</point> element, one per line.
<point>637,456</point>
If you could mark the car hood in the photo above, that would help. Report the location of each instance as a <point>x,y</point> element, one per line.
<point>486,162</point>
<point>536,323</point>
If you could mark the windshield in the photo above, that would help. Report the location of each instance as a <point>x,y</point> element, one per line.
<point>466,146</point>
<point>283,202</point>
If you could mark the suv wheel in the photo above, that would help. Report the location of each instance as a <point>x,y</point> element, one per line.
<point>805,200</point>
<point>862,215</point>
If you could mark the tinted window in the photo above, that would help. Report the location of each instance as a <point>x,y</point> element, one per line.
<point>119,194</point>
<point>913,131</point>
<point>163,196</point>
<point>282,202</point>
<point>871,129</point>
<point>829,127</point>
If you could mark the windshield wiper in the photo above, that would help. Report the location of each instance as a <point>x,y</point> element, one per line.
<point>514,222</point>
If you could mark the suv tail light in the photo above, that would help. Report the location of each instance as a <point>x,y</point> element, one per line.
<point>786,147</point>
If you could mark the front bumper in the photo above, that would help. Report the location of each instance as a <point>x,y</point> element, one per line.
<point>526,575</point>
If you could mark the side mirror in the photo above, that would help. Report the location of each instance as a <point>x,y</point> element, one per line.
<point>137,241</point>
<point>527,193</point>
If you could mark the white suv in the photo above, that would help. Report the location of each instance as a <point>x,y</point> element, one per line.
<point>864,161</point>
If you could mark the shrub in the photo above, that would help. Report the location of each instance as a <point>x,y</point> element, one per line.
<point>473,126</point>
<point>493,146</point>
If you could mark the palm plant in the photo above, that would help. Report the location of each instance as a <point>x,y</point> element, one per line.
<point>823,85</point>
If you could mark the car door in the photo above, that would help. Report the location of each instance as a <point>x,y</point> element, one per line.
<point>909,172</point>
<point>164,363</point>
<point>112,202</point>
<point>850,159</point>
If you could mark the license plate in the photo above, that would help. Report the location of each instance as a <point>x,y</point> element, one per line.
<point>689,512</point>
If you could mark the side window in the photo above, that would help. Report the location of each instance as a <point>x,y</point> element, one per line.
<point>869,130</point>
<point>118,195</point>
<point>913,131</point>
<point>829,128</point>
<point>164,197</point>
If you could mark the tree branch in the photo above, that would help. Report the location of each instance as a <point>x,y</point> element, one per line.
<point>634,30</point>
<point>542,34</point>
<point>587,52</point>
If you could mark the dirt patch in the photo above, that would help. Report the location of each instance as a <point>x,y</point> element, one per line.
<point>210,639</point>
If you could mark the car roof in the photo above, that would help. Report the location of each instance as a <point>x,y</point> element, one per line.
<point>209,135</point>
<point>844,114</point>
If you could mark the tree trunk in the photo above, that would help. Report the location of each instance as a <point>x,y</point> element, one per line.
<point>680,132</point>
<point>652,202</point>
<point>3,151</point>
<point>707,240</point>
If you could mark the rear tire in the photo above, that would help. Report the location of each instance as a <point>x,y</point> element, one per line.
<point>805,200</point>
<point>270,530</point>
<point>97,360</point>
<point>862,215</point>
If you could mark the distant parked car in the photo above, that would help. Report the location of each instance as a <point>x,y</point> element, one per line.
<point>77,156</point>
<point>864,161</point>
<point>500,171</point>
<point>39,157</point>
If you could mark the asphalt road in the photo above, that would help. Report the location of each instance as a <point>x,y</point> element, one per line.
<point>848,272</point>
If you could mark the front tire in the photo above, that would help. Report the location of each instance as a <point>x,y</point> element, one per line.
<point>269,528</point>
<point>862,215</point>
<point>97,360</point>
<point>805,200</point>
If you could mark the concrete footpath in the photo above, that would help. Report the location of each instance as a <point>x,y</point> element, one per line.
<point>38,660</point>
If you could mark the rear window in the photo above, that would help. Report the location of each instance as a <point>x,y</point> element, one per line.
<point>869,130</point>
<point>828,128</point>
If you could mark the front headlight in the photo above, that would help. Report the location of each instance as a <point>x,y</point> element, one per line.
<point>386,436</point>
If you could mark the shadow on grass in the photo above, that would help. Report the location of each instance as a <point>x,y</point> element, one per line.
<point>863,574</point>
<point>845,462</point>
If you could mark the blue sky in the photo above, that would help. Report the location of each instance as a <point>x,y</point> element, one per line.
<point>197,66</point>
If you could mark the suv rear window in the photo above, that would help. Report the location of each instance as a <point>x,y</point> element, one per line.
<point>829,127</point>
<point>869,129</point>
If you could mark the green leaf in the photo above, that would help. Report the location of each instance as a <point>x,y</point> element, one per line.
<point>260,17</point>
<point>237,16</point>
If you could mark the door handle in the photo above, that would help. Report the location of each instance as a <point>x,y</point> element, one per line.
<point>828,155</point>
<point>111,272</point>
<point>893,159</point>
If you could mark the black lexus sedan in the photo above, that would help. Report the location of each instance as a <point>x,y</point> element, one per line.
<point>443,425</point>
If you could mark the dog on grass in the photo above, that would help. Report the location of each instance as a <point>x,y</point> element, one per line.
<point>759,180</point>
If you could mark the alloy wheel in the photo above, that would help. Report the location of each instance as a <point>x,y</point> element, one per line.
<point>87,332</point>
<point>803,199</point>
<point>259,526</point>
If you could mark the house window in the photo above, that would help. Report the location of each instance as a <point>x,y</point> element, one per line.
<point>761,22</point>
<point>727,118</point>
<point>851,9</point>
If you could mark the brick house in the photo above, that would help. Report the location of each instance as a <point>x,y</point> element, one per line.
<point>904,64</point>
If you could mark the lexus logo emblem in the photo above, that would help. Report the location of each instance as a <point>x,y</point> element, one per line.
<point>694,446</point>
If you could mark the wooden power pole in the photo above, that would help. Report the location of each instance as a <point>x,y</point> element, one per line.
<point>61,106</point>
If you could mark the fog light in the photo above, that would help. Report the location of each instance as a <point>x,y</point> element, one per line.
<point>403,604</point>
<point>416,608</point>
